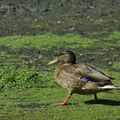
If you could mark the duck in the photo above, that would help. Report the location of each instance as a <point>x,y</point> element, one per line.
<point>79,78</point>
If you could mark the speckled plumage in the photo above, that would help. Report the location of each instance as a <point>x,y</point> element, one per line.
<point>69,76</point>
<point>79,78</point>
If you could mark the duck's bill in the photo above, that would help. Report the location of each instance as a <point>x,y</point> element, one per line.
<point>52,62</point>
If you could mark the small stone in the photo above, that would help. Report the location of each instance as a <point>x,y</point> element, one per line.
<point>88,17</point>
<point>31,61</point>
<point>81,54</point>
<point>59,22</point>
<point>35,59</point>
<point>71,29</point>
<point>40,56</point>
<point>106,59</point>
<point>116,21</point>
<point>35,20</point>
<point>105,49</point>
<point>110,63</point>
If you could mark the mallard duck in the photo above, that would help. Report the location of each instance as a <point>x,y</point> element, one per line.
<point>79,78</point>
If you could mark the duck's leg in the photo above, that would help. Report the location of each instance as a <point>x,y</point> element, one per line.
<point>95,98</point>
<point>65,101</point>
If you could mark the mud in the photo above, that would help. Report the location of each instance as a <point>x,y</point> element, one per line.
<point>65,16</point>
<point>33,105</point>
<point>103,57</point>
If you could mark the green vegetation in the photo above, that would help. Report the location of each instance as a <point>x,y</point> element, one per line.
<point>35,104</point>
<point>46,40</point>
<point>116,65</point>
<point>27,85</point>
<point>24,77</point>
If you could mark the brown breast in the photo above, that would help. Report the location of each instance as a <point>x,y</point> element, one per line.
<point>66,77</point>
<point>58,70</point>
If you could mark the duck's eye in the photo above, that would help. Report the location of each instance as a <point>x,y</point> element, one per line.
<point>58,54</point>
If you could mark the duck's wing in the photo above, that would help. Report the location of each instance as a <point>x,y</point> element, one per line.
<point>91,73</point>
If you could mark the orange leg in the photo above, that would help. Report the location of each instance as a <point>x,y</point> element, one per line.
<point>65,101</point>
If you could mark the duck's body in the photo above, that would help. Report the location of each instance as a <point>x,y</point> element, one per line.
<point>80,78</point>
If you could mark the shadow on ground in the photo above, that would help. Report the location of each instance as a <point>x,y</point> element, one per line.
<point>104,102</point>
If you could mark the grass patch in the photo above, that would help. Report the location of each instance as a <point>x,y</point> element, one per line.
<point>46,40</point>
<point>12,76</point>
<point>35,104</point>
<point>114,36</point>
<point>116,65</point>
<point>29,90</point>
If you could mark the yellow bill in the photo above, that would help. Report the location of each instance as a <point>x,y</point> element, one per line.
<point>53,61</point>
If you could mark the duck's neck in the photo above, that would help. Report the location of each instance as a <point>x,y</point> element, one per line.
<point>59,68</point>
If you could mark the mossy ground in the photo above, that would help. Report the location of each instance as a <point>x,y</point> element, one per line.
<point>35,104</point>
<point>27,83</point>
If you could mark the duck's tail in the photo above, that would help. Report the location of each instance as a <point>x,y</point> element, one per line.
<point>110,87</point>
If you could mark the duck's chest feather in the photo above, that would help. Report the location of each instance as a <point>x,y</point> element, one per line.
<point>58,71</point>
<point>66,77</point>
<point>60,77</point>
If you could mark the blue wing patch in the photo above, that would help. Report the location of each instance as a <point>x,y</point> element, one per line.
<point>85,78</point>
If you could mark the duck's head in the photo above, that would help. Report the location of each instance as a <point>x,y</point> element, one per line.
<point>64,57</point>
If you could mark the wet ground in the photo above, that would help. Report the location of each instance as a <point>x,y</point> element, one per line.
<point>103,57</point>
<point>60,17</point>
